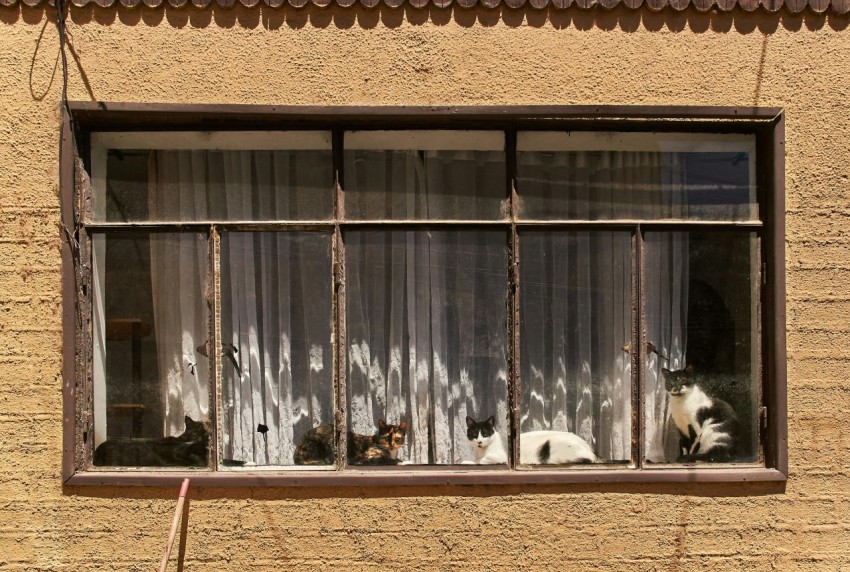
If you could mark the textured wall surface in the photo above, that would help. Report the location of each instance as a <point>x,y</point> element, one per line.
<point>339,56</point>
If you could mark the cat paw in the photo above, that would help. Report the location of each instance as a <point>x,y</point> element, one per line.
<point>467,462</point>
<point>405,462</point>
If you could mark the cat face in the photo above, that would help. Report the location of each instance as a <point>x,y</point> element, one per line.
<point>480,434</point>
<point>679,382</point>
<point>391,436</point>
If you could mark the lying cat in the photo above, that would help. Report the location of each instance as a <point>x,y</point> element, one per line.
<point>535,447</point>
<point>316,446</point>
<point>189,449</point>
<point>708,426</point>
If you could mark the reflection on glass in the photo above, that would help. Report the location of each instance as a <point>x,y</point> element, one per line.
<point>202,185</point>
<point>426,318</point>
<point>151,398</point>
<point>702,321</point>
<point>575,319</point>
<point>425,175</point>
<point>604,176</point>
<point>276,354</point>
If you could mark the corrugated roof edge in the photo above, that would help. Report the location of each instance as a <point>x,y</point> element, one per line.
<point>840,7</point>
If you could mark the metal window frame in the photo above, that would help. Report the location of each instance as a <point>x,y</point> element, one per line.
<point>767,124</point>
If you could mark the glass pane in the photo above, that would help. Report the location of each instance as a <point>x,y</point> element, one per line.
<point>277,358</point>
<point>702,366</point>
<point>151,375</point>
<point>604,176</point>
<point>426,315</point>
<point>200,184</point>
<point>436,175</point>
<point>575,320</point>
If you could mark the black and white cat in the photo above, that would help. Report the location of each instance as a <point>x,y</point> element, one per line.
<point>708,426</point>
<point>536,447</point>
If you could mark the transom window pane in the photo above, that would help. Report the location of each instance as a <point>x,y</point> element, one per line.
<point>651,176</point>
<point>575,321</point>
<point>425,175</point>
<point>426,316</point>
<point>276,352</point>
<point>151,320</point>
<point>701,373</point>
<point>216,177</point>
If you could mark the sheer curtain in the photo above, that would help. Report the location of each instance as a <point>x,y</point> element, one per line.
<point>575,318</point>
<point>426,309</point>
<point>181,313</point>
<point>426,325</point>
<point>666,316</point>
<point>576,293</point>
<point>275,296</point>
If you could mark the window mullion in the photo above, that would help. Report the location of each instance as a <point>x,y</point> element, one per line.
<point>638,344</point>
<point>338,263</point>
<point>514,389</point>
<point>214,299</point>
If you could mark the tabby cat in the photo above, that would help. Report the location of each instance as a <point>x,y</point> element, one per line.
<point>316,446</point>
<point>189,449</point>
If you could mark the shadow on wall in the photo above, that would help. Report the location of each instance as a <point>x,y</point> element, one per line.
<point>620,18</point>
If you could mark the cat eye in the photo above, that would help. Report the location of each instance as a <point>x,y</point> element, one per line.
<point>329,301</point>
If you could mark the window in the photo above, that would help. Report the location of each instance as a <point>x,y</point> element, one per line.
<point>542,298</point>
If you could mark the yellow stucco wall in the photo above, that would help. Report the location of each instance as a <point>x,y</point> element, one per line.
<point>405,56</point>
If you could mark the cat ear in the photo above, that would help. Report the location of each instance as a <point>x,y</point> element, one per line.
<point>187,420</point>
<point>492,420</point>
<point>381,424</point>
<point>665,371</point>
<point>403,425</point>
<point>469,421</point>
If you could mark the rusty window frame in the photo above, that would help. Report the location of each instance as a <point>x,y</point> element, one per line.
<point>767,124</point>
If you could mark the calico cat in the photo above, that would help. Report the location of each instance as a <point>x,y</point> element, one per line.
<point>708,426</point>
<point>536,447</point>
<point>189,449</point>
<point>316,446</point>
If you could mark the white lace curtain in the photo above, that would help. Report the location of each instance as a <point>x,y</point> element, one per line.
<point>275,297</point>
<point>426,309</point>
<point>426,317</point>
<point>576,294</point>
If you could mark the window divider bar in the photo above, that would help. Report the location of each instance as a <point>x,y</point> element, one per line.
<point>215,353</point>
<point>631,223</point>
<point>638,345</point>
<point>340,420</point>
<point>340,414</point>
<point>514,388</point>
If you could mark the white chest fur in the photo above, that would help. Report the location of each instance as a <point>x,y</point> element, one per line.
<point>489,450</point>
<point>684,408</point>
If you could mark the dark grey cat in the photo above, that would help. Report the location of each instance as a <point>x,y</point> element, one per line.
<point>189,449</point>
<point>708,426</point>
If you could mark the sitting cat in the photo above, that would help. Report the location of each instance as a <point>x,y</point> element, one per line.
<point>316,446</point>
<point>486,441</point>
<point>535,447</point>
<point>708,426</point>
<point>189,449</point>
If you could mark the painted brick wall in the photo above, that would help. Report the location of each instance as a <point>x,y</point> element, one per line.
<point>434,56</point>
